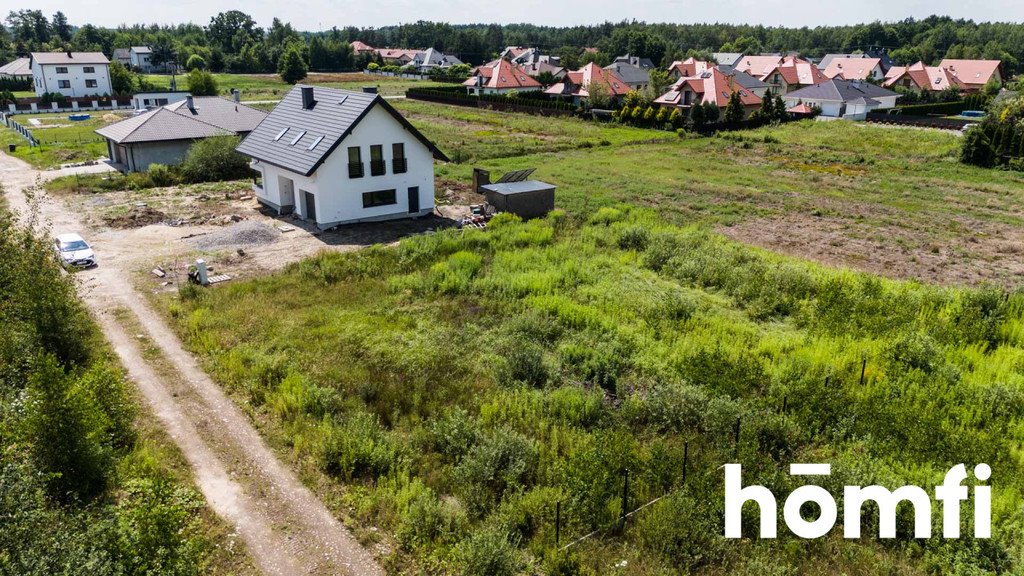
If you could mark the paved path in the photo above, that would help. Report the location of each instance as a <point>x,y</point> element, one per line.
<point>288,531</point>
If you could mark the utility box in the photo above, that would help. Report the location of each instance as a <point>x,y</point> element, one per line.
<point>526,199</point>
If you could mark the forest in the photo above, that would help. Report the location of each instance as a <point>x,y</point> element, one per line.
<point>234,42</point>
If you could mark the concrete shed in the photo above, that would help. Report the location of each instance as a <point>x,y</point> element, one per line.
<point>527,199</point>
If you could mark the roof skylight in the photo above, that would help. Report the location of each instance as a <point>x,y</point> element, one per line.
<point>297,138</point>
<point>315,142</point>
<point>280,134</point>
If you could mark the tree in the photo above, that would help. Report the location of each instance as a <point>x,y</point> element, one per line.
<point>214,159</point>
<point>600,95</point>
<point>217,62</point>
<point>121,79</point>
<point>195,62</point>
<point>976,148</point>
<point>60,26</point>
<point>734,109</point>
<point>231,30</point>
<point>163,53</point>
<point>697,116</point>
<point>292,67</point>
<point>676,118</point>
<point>201,83</point>
<point>766,113</point>
<point>546,78</point>
<point>780,109</point>
<point>711,112</point>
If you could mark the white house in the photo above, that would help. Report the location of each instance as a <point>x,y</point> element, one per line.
<point>139,57</point>
<point>336,156</point>
<point>837,98</point>
<point>148,100</point>
<point>70,73</point>
<point>17,69</point>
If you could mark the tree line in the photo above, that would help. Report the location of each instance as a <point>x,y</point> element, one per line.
<point>232,41</point>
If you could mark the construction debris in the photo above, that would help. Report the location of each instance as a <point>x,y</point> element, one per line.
<point>239,235</point>
<point>158,272</point>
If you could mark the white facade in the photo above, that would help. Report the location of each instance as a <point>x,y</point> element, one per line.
<point>139,58</point>
<point>71,79</point>
<point>147,100</point>
<point>330,196</point>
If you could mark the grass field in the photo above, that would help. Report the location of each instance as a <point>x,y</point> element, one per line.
<point>462,384</point>
<point>62,141</point>
<point>271,87</point>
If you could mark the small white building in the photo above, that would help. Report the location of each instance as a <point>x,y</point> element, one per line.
<point>148,100</point>
<point>17,69</point>
<point>837,98</point>
<point>336,157</point>
<point>70,73</point>
<point>139,57</point>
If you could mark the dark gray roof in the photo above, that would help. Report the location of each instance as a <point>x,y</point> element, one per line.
<point>334,116</point>
<point>742,78</point>
<point>637,61</point>
<point>841,91</point>
<point>630,73</point>
<point>727,58</point>
<point>209,116</point>
<point>886,61</point>
<point>121,53</point>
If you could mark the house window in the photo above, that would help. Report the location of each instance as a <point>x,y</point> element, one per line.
<point>62,69</point>
<point>90,83</point>
<point>398,162</point>
<point>355,163</point>
<point>378,198</point>
<point>377,167</point>
<point>89,70</point>
<point>63,84</point>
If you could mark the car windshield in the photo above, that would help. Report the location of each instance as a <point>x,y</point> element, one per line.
<point>73,246</point>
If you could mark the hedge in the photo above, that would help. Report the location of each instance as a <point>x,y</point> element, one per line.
<point>972,102</point>
<point>457,95</point>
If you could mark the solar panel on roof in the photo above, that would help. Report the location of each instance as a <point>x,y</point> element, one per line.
<point>515,176</point>
<point>297,138</point>
<point>280,134</point>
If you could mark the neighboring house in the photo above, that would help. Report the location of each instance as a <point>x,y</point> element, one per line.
<point>745,80</point>
<point>727,58</point>
<point>122,55</point>
<point>70,73</point>
<point>922,78</point>
<point>838,98</point>
<point>140,57</point>
<point>430,58</point>
<point>710,86</point>
<point>577,85</point>
<point>149,100</point>
<point>500,77</point>
<point>634,76</point>
<point>529,58</point>
<point>335,157</point>
<point>884,61</point>
<point>644,63</point>
<point>397,56</point>
<point>538,68</point>
<point>17,69</point>
<point>973,74</point>
<point>360,48</point>
<point>758,66</point>
<point>688,68</point>
<point>792,73</point>
<point>855,69</point>
<point>164,135</point>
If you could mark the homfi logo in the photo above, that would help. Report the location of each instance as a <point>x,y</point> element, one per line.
<point>950,493</point>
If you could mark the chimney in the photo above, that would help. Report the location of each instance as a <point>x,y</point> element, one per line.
<point>69,53</point>
<point>307,98</point>
<point>236,95</point>
<point>189,103</point>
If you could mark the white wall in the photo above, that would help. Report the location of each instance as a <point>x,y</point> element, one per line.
<point>338,199</point>
<point>47,79</point>
<point>139,101</point>
<point>140,61</point>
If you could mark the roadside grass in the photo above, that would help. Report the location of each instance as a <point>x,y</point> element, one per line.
<point>62,141</point>
<point>470,134</point>
<point>462,383</point>
<point>271,87</point>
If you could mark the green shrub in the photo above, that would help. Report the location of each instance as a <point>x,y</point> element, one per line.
<point>524,363</point>
<point>159,531</point>
<point>606,216</point>
<point>428,520</point>
<point>634,237</point>
<point>489,552</point>
<point>454,433</point>
<point>504,462</point>
<point>213,159</point>
<point>358,448</point>
<point>201,83</point>
<point>161,175</point>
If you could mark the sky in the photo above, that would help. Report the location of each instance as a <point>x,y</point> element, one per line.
<point>313,15</point>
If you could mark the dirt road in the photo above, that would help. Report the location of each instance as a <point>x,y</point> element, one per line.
<point>286,528</point>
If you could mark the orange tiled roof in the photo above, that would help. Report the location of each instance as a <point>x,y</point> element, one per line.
<point>852,68</point>
<point>502,74</point>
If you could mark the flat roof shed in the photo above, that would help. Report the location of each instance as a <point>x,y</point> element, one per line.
<point>527,199</point>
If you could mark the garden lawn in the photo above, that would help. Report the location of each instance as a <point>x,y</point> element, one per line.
<point>463,383</point>
<point>271,87</point>
<point>62,141</point>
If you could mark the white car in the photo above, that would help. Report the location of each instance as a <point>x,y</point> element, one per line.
<point>73,251</point>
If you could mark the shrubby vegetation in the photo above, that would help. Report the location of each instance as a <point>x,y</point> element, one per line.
<point>80,490</point>
<point>463,383</point>
<point>999,139</point>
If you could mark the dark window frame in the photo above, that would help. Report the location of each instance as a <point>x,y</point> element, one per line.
<point>62,69</point>
<point>380,198</point>
<point>377,165</point>
<point>89,70</point>
<point>94,84</point>
<point>355,167</point>
<point>399,163</point>
<point>60,82</point>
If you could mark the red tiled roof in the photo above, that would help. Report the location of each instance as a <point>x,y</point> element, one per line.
<point>689,67</point>
<point>582,79</point>
<point>502,75</point>
<point>972,73</point>
<point>758,66</point>
<point>359,47</point>
<point>801,109</point>
<point>396,53</point>
<point>711,86</point>
<point>796,72</point>
<point>852,68</point>
<point>931,78</point>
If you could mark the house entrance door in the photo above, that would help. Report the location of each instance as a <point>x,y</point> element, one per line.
<point>414,199</point>
<point>309,205</point>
